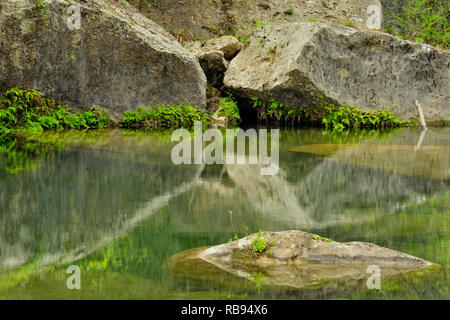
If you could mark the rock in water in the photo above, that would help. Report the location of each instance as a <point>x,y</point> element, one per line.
<point>299,259</point>
<point>305,64</point>
<point>95,52</point>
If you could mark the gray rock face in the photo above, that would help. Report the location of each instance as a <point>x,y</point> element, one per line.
<point>116,59</point>
<point>230,46</point>
<point>303,64</point>
<point>193,19</point>
<point>212,61</point>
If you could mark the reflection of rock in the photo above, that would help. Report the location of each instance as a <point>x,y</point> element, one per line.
<point>85,197</point>
<point>300,259</point>
<point>426,161</point>
<point>318,189</point>
<point>271,195</point>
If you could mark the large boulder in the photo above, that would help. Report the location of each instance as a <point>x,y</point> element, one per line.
<point>296,259</point>
<point>305,64</point>
<point>196,19</point>
<point>114,58</point>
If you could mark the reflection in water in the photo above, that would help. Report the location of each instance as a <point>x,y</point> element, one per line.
<point>114,202</point>
<point>83,197</point>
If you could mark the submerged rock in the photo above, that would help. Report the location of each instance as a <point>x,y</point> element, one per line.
<point>95,52</point>
<point>307,64</point>
<point>299,259</point>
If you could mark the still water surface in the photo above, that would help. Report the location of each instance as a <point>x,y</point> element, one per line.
<point>112,203</point>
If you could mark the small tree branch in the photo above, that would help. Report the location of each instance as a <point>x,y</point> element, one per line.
<point>421,116</point>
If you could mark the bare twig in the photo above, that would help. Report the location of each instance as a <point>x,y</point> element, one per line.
<point>421,116</point>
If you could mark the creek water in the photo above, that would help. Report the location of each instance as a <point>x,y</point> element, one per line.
<point>114,204</point>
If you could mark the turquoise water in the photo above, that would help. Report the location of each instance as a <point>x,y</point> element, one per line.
<point>114,204</point>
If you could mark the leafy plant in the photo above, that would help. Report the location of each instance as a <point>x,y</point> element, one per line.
<point>348,23</point>
<point>41,6</point>
<point>322,239</point>
<point>30,110</point>
<point>229,108</point>
<point>345,117</point>
<point>259,244</point>
<point>289,11</point>
<point>164,116</point>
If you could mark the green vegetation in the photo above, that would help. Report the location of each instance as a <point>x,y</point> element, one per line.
<point>30,110</point>
<point>322,239</point>
<point>245,39</point>
<point>18,154</point>
<point>258,279</point>
<point>289,11</point>
<point>41,6</point>
<point>164,116</point>
<point>229,108</point>
<point>331,116</point>
<point>348,23</point>
<point>425,21</point>
<point>259,244</point>
<point>344,117</point>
